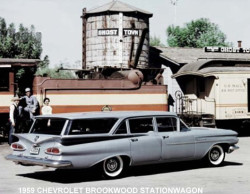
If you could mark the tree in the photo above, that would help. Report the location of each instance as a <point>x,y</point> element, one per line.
<point>197,33</point>
<point>155,41</point>
<point>21,43</point>
<point>57,73</point>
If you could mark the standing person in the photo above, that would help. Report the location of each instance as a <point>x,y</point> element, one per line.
<point>31,103</point>
<point>46,109</point>
<point>14,114</point>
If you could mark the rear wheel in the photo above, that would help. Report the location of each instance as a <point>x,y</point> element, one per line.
<point>216,155</point>
<point>113,167</point>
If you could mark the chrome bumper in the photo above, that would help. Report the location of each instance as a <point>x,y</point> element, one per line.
<point>38,161</point>
<point>232,148</point>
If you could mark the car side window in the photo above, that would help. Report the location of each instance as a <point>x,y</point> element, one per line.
<point>166,124</point>
<point>91,126</point>
<point>122,129</point>
<point>141,125</point>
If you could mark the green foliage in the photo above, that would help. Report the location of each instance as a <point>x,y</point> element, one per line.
<point>197,33</point>
<point>44,63</point>
<point>21,43</point>
<point>55,73</point>
<point>26,43</point>
<point>24,78</point>
<point>155,41</point>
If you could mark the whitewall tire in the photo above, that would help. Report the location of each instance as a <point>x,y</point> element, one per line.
<point>113,167</point>
<point>216,155</point>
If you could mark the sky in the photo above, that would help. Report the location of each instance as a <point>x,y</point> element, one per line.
<point>61,26</point>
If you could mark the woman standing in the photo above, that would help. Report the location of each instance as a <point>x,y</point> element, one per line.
<point>47,109</point>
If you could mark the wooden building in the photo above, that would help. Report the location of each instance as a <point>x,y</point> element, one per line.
<point>212,84</point>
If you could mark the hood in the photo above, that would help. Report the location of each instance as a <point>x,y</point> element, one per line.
<point>213,131</point>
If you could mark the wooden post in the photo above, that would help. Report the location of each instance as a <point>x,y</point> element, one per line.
<point>120,38</point>
<point>84,24</point>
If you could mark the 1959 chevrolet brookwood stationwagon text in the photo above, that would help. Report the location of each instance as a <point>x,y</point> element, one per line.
<point>116,140</point>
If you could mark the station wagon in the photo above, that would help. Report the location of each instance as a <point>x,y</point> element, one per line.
<point>117,140</point>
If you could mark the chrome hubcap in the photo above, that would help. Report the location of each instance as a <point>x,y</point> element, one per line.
<point>215,154</point>
<point>112,165</point>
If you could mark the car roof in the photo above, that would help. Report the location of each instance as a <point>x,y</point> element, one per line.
<point>113,114</point>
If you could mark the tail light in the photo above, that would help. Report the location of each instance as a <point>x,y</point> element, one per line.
<point>17,147</point>
<point>53,151</point>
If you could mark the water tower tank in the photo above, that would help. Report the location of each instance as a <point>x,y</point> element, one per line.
<point>112,34</point>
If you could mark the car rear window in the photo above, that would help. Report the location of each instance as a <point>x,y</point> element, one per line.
<point>91,126</point>
<point>48,126</point>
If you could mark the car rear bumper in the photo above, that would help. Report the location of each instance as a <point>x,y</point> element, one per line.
<point>38,161</point>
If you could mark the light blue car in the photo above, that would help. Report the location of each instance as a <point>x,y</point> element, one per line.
<point>117,140</point>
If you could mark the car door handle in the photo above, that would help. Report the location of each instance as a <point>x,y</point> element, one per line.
<point>134,140</point>
<point>165,137</point>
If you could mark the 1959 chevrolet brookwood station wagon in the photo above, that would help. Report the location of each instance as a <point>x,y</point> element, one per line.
<point>116,140</point>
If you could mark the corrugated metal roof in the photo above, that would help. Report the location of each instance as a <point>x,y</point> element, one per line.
<point>207,67</point>
<point>117,6</point>
<point>189,55</point>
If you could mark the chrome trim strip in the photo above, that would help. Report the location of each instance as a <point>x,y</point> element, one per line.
<point>38,161</point>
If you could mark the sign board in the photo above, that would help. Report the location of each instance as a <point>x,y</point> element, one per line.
<point>226,49</point>
<point>115,32</point>
<point>130,32</point>
<point>108,32</point>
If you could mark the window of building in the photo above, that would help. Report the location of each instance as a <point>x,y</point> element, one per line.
<point>4,79</point>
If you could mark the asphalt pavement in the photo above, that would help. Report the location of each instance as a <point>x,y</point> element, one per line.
<point>184,177</point>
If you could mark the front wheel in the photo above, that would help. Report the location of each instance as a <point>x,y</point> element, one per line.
<point>113,167</point>
<point>216,155</point>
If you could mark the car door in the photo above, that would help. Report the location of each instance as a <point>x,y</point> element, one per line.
<point>145,144</point>
<point>176,144</point>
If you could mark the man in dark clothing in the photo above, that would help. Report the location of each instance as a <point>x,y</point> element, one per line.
<point>14,114</point>
<point>170,101</point>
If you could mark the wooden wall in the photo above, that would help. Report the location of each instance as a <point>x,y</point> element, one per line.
<point>114,50</point>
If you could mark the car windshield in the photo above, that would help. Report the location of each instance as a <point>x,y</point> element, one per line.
<point>48,126</point>
<point>183,126</point>
<point>91,126</point>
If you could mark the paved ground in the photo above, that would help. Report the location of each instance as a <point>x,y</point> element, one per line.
<point>188,177</point>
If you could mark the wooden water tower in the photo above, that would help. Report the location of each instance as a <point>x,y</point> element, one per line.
<point>112,34</point>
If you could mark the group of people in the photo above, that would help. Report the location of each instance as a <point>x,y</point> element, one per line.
<point>29,106</point>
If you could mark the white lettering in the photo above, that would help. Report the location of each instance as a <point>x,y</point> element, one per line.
<point>107,32</point>
<point>111,190</point>
<point>128,32</point>
<point>170,190</point>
